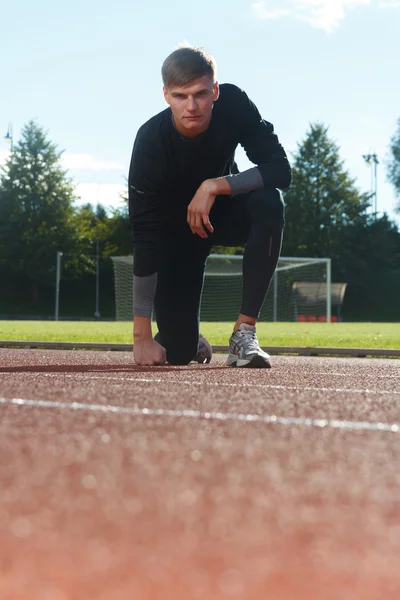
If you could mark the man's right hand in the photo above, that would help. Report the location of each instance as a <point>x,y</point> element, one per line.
<point>148,352</point>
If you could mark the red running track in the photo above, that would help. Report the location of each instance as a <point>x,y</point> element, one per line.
<point>199,482</point>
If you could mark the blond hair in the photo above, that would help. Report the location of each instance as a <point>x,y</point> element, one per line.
<point>187,63</point>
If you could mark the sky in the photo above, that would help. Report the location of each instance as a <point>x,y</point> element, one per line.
<point>88,72</point>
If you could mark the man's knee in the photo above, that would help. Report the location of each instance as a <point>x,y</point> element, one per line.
<point>179,351</point>
<point>267,207</point>
<point>180,356</point>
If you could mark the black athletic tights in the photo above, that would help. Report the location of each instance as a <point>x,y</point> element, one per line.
<point>255,220</point>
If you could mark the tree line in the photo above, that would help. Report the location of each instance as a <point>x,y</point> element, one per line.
<point>326,216</point>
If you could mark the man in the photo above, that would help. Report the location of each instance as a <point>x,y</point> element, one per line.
<point>187,195</point>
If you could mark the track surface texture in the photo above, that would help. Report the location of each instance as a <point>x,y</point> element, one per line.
<point>120,482</point>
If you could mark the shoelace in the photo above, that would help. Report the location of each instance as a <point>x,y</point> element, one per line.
<point>250,339</point>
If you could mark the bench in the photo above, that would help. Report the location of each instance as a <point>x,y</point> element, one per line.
<point>309,301</point>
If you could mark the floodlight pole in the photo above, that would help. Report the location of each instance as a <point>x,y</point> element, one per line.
<point>58,277</point>
<point>97,309</point>
<point>328,289</point>
<point>376,184</point>
<point>373,158</point>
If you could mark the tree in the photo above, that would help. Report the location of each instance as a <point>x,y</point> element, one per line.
<point>119,234</point>
<point>394,165</point>
<point>36,211</point>
<point>91,226</point>
<point>326,216</point>
<point>322,201</point>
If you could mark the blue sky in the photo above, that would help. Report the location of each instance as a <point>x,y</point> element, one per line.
<point>89,73</point>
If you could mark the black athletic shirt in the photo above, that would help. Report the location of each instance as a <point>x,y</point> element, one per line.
<point>167,169</point>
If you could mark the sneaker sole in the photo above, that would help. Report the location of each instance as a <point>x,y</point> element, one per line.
<point>257,362</point>
<point>204,348</point>
<point>204,361</point>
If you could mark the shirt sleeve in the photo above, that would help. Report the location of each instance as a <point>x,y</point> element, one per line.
<point>144,291</point>
<point>146,207</point>
<point>246,181</point>
<point>261,144</point>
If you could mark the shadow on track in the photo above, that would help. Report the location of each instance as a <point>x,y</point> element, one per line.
<point>128,368</point>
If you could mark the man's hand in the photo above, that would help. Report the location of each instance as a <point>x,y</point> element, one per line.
<point>148,352</point>
<point>199,209</point>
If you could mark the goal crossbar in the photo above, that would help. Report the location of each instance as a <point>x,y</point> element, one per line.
<point>221,300</point>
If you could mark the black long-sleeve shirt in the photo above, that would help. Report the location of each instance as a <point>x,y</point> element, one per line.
<point>167,169</point>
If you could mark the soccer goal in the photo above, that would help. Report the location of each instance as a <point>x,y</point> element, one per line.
<point>222,291</point>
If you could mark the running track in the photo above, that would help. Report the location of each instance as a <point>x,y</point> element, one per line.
<point>199,482</point>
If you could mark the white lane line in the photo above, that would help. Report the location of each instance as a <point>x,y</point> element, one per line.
<point>196,414</point>
<point>165,380</point>
<point>372,375</point>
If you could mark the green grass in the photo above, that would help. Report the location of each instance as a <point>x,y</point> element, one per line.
<point>341,335</point>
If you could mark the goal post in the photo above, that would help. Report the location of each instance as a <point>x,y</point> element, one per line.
<point>81,282</point>
<point>223,283</point>
<point>222,291</point>
<point>321,275</point>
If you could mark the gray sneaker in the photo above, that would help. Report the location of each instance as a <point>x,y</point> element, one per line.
<point>244,349</point>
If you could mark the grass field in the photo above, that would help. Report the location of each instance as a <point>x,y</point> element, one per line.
<point>340,335</point>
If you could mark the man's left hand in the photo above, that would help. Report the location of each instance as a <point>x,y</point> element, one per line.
<point>199,209</point>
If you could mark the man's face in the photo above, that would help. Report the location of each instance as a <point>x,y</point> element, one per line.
<point>192,105</point>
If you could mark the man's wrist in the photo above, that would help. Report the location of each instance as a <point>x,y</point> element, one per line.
<point>218,186</point>
<point>142,328</point>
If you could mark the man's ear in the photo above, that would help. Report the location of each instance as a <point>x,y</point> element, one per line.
<point>216,91</point>
<point>165,92</point>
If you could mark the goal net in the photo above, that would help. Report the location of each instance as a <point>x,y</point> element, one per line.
<point>287,299</point>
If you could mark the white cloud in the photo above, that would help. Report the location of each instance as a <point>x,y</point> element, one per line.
<point>107,194</point>
<point>321,14</point>
<point>389,3</point>
<point>89,162</point>
<point>261,11</point>
<point>78,161</point>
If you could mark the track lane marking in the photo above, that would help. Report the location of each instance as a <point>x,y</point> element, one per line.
<point>350,375</point>
<point>165,380</point>
<point>219,384</point>
<point>196,414</point>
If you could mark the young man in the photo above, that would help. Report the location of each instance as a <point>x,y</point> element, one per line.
<point>187,195</point>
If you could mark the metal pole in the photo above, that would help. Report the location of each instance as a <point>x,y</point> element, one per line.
<point>374,178</point>
<point>275,296</point>
<point>376,185</point>
<point>328,289</point>
<point>58,277</point>
<point>97,311</point>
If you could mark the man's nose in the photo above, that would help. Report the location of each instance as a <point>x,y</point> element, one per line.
<point>192,104</point>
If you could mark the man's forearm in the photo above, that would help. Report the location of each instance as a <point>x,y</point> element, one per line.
<point>218,186</point>
<point>142,328</point>
<point>144,290</point>
<point>240,183</point>
<point>246,181</point>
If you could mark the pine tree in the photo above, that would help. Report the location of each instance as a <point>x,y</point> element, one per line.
<point>36,211</point>
<point>322,201</point>
<point>326,216</point>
